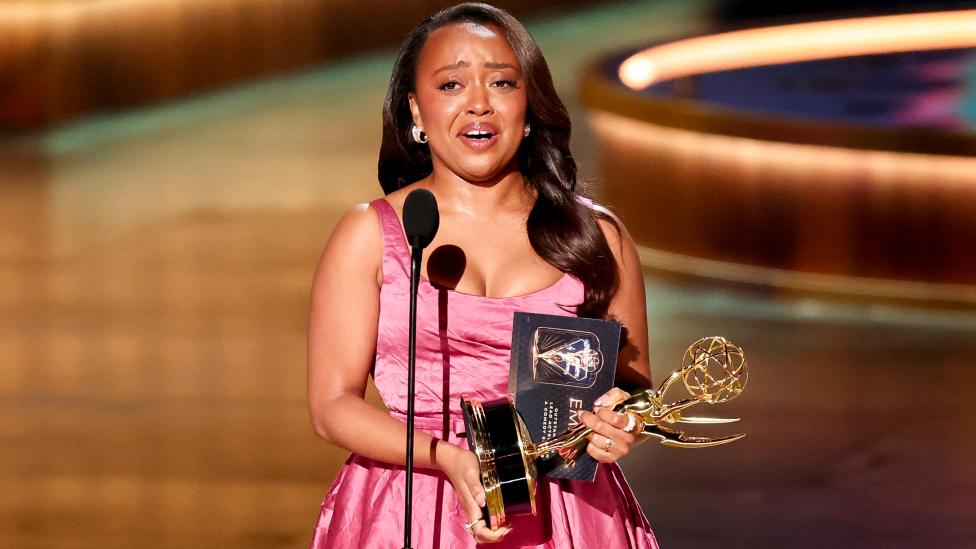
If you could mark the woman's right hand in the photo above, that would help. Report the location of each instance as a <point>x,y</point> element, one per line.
<point>461,468</point>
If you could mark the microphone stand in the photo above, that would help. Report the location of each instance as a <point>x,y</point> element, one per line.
<point>416,255</point>
<point>420,221</point>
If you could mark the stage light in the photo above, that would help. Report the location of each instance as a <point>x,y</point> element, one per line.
<point>799,42</point>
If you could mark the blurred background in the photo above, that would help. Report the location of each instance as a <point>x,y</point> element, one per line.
<point>171,169</point>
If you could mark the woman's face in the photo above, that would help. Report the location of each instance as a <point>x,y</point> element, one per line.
<point>470,100</point>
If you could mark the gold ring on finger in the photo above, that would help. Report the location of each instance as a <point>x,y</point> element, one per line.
<point>607,444</point>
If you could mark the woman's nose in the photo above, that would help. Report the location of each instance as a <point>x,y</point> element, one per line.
<point>479,103</point>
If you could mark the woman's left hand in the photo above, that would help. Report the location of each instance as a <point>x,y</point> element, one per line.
<point>608,441</point>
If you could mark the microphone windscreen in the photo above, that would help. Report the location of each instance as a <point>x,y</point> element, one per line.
<point>420,217</point>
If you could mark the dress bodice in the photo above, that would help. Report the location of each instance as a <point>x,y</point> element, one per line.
<point>463,340</point>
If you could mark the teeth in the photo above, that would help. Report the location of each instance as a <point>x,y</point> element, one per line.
<point>478,134</point>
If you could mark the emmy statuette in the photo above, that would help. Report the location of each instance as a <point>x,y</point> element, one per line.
<point>713,371</point>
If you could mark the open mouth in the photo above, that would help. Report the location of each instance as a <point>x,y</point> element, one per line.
<point>479,135</point>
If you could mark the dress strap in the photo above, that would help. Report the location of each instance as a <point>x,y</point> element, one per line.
<point>395,255</point>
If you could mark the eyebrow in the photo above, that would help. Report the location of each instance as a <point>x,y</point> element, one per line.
<point>488,65</point>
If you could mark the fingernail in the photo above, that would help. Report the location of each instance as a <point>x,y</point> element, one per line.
<point>481,501</point>
<point>599,402</point>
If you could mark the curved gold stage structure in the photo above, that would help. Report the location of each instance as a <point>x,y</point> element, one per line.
<point>881,207</point>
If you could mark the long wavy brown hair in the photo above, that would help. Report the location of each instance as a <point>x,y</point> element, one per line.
<point>562,230</point>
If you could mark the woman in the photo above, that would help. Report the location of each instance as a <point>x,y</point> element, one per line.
<point>471,115</point>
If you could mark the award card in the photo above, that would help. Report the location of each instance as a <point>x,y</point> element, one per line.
<point>560,366</point>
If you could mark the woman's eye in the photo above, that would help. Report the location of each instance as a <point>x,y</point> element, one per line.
<point>506,84</point>
<point>449,86</point>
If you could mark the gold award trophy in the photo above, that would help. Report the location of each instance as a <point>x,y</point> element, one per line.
<point>713,371</point>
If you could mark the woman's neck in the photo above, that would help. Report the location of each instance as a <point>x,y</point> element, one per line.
<point>507,192</point>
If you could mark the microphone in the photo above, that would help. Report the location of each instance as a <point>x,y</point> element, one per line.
<point>420,218</point>
<point>420,222</point>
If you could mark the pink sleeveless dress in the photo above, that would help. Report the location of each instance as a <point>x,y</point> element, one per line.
<point>463,345</point>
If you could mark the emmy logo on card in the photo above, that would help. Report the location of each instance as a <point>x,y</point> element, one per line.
<point>566,357</point>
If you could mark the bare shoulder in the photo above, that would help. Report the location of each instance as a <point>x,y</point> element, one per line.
<point>355,246</point>
<point>614,231</point>
<point>358,225</point>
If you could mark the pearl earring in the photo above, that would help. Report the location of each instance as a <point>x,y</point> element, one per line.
<point>418,134</point>
<point>527,130</point>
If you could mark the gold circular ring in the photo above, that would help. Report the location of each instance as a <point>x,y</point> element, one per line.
<point>607,444</point>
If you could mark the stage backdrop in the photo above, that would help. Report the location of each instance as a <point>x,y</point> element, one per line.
<point>63,59</point>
